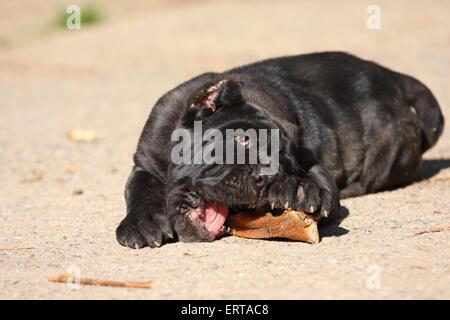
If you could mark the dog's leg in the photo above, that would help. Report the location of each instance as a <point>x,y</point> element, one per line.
<point>377,167</point>
<point>393,160</point>
<point>146,223</point>
<point>318,193</point>
<point>352,190</point>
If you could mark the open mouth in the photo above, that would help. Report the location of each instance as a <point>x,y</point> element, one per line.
<point>213,216</point>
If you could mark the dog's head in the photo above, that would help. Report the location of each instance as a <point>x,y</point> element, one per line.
<point>225,155</point>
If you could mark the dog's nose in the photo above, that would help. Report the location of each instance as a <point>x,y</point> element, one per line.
<point>259,180</point>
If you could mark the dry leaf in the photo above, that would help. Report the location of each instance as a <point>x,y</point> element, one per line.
<point>81,135</point>
<point>73,169</point>
<point>36,176</point>
<point>77,192</point>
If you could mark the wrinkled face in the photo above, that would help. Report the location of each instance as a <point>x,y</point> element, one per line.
<point>224,159</point>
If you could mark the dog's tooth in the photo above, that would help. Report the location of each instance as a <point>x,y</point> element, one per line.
<point>286,205</point>
<point>273,205</point>
<point>224,230</point>
<point>325,213</point>
<point>311,209</point>
<point>136,246</point>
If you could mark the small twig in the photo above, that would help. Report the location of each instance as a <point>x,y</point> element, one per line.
<point>17,249</point>
<point>420,267</point>
<point>432,230</point>
<point>64,277</point>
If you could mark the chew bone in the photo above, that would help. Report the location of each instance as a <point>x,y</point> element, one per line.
<point>293,225</point>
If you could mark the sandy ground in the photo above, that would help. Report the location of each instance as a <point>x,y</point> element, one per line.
<point>107,77</point>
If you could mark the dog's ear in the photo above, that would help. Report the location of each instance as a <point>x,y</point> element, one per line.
<point>213,97</point>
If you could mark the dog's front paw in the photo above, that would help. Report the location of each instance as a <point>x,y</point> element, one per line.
<point>282,193</point>
<point>315,200</point>
<point>141,231</point>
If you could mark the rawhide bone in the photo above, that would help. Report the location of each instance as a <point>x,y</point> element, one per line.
<point>293,225</point>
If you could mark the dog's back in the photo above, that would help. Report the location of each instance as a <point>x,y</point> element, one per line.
<point>326,72</point>
<point>366,124</point>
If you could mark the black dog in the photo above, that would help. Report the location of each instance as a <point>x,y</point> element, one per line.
<point>346,127</point>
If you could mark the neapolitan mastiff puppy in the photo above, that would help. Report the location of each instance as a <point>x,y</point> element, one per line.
<point>345,126</point>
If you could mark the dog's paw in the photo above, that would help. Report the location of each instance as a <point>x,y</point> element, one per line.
<point>141,231</point>
<point>282,193</point>
<point>315,200</point>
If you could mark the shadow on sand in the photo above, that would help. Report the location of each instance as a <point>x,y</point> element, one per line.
<point>333,229</point>
<point>428,169</point>
<point>431,168</point>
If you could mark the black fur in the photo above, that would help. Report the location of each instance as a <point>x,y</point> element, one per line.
<point>348,127</point>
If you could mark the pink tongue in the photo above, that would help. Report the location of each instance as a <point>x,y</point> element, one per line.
<point>215,216</point>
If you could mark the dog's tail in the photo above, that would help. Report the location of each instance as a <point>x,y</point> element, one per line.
<point>431,120</point>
